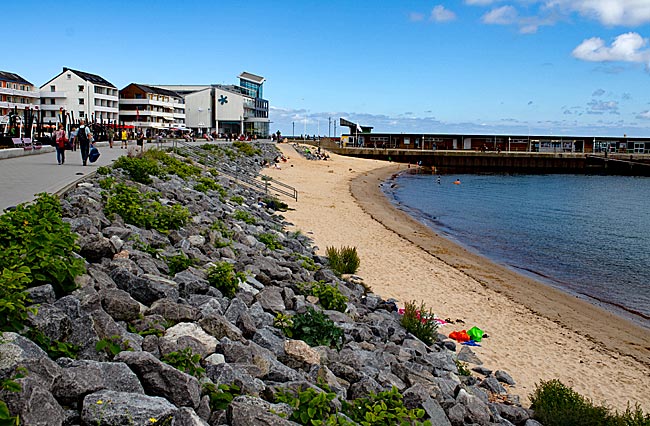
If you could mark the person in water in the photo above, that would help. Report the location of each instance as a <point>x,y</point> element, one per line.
<point>457,182</point>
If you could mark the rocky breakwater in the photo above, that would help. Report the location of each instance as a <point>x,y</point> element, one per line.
<point>149,338</point>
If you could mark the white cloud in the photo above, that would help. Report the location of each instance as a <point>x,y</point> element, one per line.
<point>600,107</point>
<point>504,15</point>
<point>440,14</point>
<point>645,115</point>
<point>608,12</point>
<point>628,47</point>
<point>598,92</point>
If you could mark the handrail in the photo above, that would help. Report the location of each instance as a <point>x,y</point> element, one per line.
<point>263,187</point>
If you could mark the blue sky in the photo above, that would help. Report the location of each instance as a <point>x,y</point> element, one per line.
<point>554,67</point>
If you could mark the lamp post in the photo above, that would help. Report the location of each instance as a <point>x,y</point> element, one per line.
<point>293,129</point>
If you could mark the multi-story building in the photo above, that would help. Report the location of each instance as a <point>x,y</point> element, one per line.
<point>80,95</point>
<point>151,109</point>
<point>16,93</point>
<point>234,109</point>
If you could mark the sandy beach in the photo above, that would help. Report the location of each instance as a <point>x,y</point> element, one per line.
<point>535,332</point>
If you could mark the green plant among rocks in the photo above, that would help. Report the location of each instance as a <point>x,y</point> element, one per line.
<point>556,404</point>
<point>314,328</point>
<point>462,368</point>
<point>54,348</point>
<point>178,263</point>
<point>11,385</point>
<point>310,407</point>
<point>270,241</point>
<point>172,165</point>
<point>419,321</point>
<point>37,244</point>
<point>185,361</point>
<point>113,345</point>
<point>205,184</point>
<point>246,149</point>
<point>222,395</point>
<point>223,277</point>
<point>13,299</point>
<point>142,210</point>
<point>384,409</point>
<point>275,204</point>
<point>329,296</point>
<point>244,216</point>
<point>344,260</point>
<point>138,244</point>
<point>139,168</point>
<point>237,199</point>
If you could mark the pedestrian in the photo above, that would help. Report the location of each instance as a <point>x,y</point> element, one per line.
<point>61,140</point>
<point>111,136</point>
<point>140,140</point>
<point>83,138</point>
<point>72,143</point>
<point>124,138</point>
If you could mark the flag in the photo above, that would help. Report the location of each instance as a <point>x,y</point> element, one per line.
<point>137,114</point>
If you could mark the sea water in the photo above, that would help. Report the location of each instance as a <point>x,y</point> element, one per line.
<point>586,235</point>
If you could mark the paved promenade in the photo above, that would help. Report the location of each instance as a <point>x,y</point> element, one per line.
<point>30,173</point>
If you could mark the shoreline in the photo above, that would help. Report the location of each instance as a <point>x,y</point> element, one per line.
<point>536,332</point>
<point>617,333</point>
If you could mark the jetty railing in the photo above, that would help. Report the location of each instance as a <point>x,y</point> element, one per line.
<point>264,185</point>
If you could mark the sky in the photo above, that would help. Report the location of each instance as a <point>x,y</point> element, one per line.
<point>542,67</point>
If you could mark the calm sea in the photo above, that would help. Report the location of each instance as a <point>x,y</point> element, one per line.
<point>587,235</point>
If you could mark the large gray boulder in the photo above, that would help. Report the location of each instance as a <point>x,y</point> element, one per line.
<point>34,404</point>
<point>17,351</point>
<point>111,408</point>
<point>247,411</point>
<point>79,378</point>
<point>146,289</point>
<point>161,379</point>
<point>119,304</point>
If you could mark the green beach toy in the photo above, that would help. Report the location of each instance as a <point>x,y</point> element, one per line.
<point>475,333</point>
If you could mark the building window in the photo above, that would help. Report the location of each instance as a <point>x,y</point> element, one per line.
<point>69,76</point>
<point>81,114</point>
<point>81,101</point>
<point>52,88</point>
<point>52,101</point>
<point>81,88</point>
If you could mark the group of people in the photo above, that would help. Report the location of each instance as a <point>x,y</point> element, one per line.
<point>80,138</point>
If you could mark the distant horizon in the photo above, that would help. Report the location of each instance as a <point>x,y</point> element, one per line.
<point>556,67</point>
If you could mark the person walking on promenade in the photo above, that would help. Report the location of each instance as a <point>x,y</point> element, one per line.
<point>140,140</point>
<point>83,137</point>
<point>72,143</point>
<point>124,139</point>
<point>111,136</point>
<point>61,139</point>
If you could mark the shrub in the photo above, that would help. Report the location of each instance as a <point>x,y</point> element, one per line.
<point>185,361</point>
<point>329,296</point>
<point>172,165</point>
<point>103,170</point>
<point>221,396</point>
<point>140,210</point>
<point>13,299</point>
<point>556,404</point>
<point>383,408</point>
<point>344,260</point>
<point>246,148</point>
<point>223,277</point>
<point>270,241</point>
<point>34,236</point>
<point>106,183</point>
<point>139,169</point>
<point>462,368</point>
<point>206,184</point>
<point>309,406</point>
<point>420,322</point>
<point>244,216</point>
<point>314,328</point>
<point>178,263</point>
<point>237,199</point>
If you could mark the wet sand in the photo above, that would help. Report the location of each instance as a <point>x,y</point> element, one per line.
<point>536,332</point>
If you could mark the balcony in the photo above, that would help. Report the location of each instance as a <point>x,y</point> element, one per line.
<point>23,93</point>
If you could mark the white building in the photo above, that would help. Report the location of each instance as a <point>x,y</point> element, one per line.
<point>16,93</point>
<point>233,109</point>
<point>151,109</point>
<point>80,95</point>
